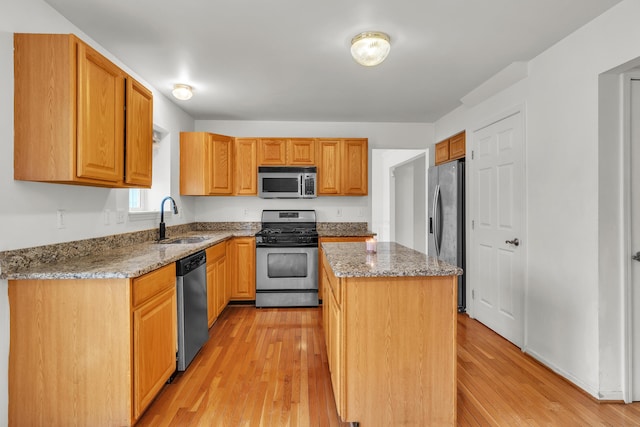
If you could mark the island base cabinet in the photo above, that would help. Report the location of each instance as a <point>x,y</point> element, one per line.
<point>70,353</point>
<point>391,344</point>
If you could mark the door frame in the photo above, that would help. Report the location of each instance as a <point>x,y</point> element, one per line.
<point>627,251</point>
<point>471,201</point>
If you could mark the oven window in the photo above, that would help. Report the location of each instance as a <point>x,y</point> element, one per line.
<point>287,265</point>
<point>280,185</point>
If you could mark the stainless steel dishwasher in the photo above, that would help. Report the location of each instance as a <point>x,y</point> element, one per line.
<point>191,285</point>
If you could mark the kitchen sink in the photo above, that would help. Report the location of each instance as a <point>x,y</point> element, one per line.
<point>182,240</point>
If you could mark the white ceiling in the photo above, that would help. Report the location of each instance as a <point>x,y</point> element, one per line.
<point>290,60</point>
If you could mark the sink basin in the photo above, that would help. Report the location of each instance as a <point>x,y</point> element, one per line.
<point>182,240</point>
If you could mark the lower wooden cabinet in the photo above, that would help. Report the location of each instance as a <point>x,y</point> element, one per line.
<point>216,281</point>
<point>154,332</point>
<point>242,256</point>
<point>90,351</point>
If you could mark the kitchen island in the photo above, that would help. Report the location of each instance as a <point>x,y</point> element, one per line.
<point>390,329</point>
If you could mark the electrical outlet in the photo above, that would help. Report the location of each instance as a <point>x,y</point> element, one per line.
<point>107,217</point>
<point>61,218</point>
<point>339,212</point>
<point>120,216</point>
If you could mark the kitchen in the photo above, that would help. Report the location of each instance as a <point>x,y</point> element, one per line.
<point>582,345</point>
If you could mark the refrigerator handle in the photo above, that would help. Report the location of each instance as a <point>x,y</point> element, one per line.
<point>437,219</point>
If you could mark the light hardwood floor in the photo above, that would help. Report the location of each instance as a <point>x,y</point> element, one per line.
<point>268,367</point>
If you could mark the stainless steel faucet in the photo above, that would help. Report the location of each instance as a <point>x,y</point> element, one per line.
<point>175,211</point>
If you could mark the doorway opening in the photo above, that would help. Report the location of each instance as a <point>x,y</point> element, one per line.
<point>398,202</point>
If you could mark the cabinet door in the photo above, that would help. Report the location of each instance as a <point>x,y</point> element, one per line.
<point>246,169</point>
<point>442,152</point>
<point>243,264</point>
<point>272,152</point>
<point>355,167</point>
<point>101,115</point>
<point>329,166</point>
<point>301,151</point>
<point>457,146</point>
<point>154,344</point>
<point>139,138</point>
<point>220,161</point>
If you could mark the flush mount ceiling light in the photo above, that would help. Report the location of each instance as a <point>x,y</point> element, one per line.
<point>182,92</point>
<point>370,48</point>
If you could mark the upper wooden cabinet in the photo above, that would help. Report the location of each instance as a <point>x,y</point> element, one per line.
<point>450,149</point>
<point>246,168</point>
<point>272,152</point>
<point>206,161</point>
<point>71,109</point>
<point>301,151</point>
<point>343,167</point>
<point>212,164</point>
<point>286,152</point>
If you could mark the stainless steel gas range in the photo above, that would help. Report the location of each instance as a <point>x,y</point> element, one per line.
<point>287,259</point>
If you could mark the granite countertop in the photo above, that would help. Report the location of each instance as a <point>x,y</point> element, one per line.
<point>122,262</point>
<point>134,254</point>
<point>390,260</point>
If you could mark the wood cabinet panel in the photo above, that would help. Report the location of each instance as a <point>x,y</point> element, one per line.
<point>139,135</point>
<point>457,146</point>
<point>272,152</point>
<point>206,164</point>
<point>329,167</point>
<point>70,119</point>
<point>243,268</point>
<point>154,333</point>
<point>153,283</point>
<point>154,346</point>
<point>101,91</point>
<point>442,152</point>
<point>400,329</point>
<point>301,151</point>
<point>70,354</point>
<point>246,167</point>
<point>450,149</point>
<point>110,346</point>
<point>355,167</point>
<point>220,164</point>
<point>342,167</point>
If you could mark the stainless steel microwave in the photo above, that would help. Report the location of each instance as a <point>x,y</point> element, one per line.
<point>286,182</point>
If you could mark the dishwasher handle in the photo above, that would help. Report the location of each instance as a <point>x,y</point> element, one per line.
<point>190,263</point>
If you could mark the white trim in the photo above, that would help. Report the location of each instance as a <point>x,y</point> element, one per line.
<point>627,250</point>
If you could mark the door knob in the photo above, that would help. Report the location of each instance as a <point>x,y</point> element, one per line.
<point>636,257</point>
<point>516,242</point>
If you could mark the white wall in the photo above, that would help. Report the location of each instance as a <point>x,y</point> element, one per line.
<point>28,209</point>
<point>563,302</point>
<point>329,209</point>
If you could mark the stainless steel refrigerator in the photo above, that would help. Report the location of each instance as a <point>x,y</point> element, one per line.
<point>446,218</point>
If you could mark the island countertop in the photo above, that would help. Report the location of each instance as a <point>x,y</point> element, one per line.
<point>390,260</point>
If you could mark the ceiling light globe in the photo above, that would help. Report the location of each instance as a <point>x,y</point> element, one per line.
<point>182,92</point>
<point>370,48</point>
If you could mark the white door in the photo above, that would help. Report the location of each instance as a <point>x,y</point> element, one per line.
<point>497,189</point>
<point>635,236</point>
